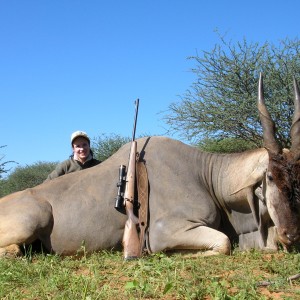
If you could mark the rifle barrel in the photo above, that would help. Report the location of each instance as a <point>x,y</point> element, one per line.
<point>135,118</point>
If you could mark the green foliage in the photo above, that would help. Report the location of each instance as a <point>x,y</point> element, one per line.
<point>229,145</point>
<point>106,145</point>
<point>105,275</point>
<point>221,103</point>
<point>25,177</point>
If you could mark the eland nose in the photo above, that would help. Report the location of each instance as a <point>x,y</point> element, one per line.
<point>292,237</point>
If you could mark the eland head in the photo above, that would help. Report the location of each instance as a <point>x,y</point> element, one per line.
<point>282,178</point>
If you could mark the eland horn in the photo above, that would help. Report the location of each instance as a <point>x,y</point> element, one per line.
<point>295,128</point>
<point>267,123</point>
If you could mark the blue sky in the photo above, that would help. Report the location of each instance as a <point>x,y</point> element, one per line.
<point>79,65</point>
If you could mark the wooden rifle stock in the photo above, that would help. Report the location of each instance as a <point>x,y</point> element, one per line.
<point>131,242</point>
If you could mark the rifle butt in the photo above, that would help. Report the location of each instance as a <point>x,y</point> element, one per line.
<point>131,241</point>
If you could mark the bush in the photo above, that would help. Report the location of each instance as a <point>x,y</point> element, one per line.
<point>26,177</point>
<point>229,145</point>
<point>106,145</point>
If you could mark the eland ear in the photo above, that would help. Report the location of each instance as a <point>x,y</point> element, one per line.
<point>256,176</point>
<point>248,184</point>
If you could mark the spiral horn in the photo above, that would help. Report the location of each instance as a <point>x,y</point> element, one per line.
<point>267,123</point>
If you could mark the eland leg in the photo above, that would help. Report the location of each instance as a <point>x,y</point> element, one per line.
<point>191,238</point>
<point>22,221</point>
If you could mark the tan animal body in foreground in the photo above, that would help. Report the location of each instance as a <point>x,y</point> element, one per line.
<point>197,201</point>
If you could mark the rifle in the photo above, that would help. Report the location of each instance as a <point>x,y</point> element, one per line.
<point>131,242</point>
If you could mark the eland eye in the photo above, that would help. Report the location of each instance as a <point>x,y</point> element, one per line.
<point>269,176</point>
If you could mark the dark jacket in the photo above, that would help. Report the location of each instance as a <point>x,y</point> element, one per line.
<point>71,165</point>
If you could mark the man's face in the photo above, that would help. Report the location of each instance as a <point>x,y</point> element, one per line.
<point>81,149</point>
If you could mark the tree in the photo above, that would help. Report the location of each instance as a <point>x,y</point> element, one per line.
<point>228,145</point>
<point>25,177</point>
<point>106,145</point>
<point>222,102</point>
<point>3,164</point>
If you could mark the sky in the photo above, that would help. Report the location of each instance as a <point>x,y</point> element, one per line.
<point>68,65</point>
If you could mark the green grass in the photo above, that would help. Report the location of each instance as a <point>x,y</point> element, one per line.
<point>105,275</point>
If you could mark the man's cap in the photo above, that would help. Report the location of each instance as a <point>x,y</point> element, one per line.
<point>79,133</point>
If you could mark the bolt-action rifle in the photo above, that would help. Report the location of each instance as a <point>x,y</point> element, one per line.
<point>131,242</point>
